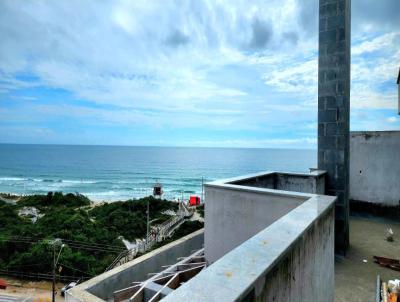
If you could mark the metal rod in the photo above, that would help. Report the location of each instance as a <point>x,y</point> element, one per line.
<point>202,189</point>
<point>55,261</point>
<point>148,222</point>
<point>54,273</point>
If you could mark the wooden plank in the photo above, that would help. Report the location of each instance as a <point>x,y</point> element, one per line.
<point>173,282</point>
<point>186,275</point>
<point>125,293</point>
<point>163,279</point>
<point>138,296</point>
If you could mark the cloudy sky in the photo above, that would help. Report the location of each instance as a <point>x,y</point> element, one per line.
<point>185,73</point>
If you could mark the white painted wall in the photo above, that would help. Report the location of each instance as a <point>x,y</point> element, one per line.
<point>375,167</point>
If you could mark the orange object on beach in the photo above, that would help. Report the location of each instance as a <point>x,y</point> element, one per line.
<point>3,284</point>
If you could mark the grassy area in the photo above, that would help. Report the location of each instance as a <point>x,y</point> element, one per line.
<point>91,232</point>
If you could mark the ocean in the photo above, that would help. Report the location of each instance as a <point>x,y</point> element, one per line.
<point>110,173</point>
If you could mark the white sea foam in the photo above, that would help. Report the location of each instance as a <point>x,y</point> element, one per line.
<point>13,178</point>
<point>79,181</point>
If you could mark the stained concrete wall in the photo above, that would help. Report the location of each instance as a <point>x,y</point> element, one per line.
<point>313,182</point>
<point>102,287</point>
<point>375,167</point>
<point>291,260</point>
<point>306,272</point>
<point>234,215</point>
<point>301,183</point>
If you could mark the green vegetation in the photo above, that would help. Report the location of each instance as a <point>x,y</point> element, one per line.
<point>200,210</point>
<point>91,233</point>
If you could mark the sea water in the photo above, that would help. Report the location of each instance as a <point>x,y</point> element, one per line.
<point>113,173</point>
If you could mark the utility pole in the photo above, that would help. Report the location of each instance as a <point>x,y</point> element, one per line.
<point>202,189</point>
<point>148,221</point>
<point>54,273</point>
<point>55,261</point>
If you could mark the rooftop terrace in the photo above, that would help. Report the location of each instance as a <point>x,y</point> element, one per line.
<point>253,232</point>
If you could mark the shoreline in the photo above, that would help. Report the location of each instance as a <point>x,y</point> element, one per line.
<point>13,197</point>
<point>177,198</point>
<point>92,197</point>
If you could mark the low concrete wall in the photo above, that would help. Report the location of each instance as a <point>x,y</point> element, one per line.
<point>291,260</point>
<point>234,214</point>
<point>306,183</point>
<point>375,167</point>
<point>313,182</point>
<point>103,286</point>
<point>237,208</point>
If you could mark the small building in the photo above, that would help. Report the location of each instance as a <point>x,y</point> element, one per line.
<point>157,190</point>
<point>194,200</point>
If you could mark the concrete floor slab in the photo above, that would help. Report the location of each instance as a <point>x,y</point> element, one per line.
<point>355,280</point>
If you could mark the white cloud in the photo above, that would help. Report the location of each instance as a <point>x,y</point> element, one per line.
<point>302,142</point>
<point>300,76</point>
<point>393,119</point>
<point>379,43</point>
<point>244,66</point>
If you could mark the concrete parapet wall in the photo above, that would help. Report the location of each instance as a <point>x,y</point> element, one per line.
<point>306,271</point>
<point>234,215</point>
<point>375,167</point>
<point>291,260</point>
<point>313,182</point>
<point>238,208</point>
<point>300,183</point>
<point>102,287</point>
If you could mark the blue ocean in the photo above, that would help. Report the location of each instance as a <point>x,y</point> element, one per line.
<point>110,173</point>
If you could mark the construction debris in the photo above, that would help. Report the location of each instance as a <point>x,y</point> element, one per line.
<point>394,286</point>
<point>160,284</point>
<point>389,235</point>
<point>388,291</point>
<point>393,264</point>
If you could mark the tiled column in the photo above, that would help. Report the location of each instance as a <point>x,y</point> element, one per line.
<point>398,87</point>
<point>334,109</point>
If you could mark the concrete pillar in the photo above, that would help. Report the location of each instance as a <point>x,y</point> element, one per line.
<point>334,109</point>
<point>398,96</point>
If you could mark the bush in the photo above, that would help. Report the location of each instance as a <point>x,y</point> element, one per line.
<point>54,199</point>
<point>70,217</point>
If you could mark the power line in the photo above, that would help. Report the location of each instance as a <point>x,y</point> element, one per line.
<point>46,276</point>
<point>75,269</point>
<point>25,265</point>
<point>99,245</point>
<point>71,245</point>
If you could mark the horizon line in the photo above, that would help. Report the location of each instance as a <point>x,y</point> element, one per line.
<point>155,146</point>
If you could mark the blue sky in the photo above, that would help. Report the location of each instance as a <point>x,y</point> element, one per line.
<point>185,73</point>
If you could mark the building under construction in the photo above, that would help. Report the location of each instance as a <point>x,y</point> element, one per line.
<point>273,236</point>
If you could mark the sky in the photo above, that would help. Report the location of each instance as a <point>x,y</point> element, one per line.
<point>185,73</point>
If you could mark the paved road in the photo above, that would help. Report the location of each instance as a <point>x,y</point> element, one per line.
<point>7,298</point>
